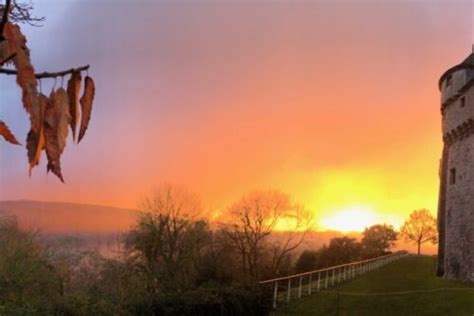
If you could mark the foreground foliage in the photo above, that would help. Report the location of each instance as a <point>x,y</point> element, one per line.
<point>169,264</point>
<point>50,117</point>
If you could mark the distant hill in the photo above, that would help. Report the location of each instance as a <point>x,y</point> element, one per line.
<point>72,218</point>
<point>59,217</point>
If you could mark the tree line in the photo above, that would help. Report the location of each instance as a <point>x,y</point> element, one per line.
<point>174,261</point>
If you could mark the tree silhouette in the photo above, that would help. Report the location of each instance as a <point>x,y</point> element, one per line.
<point>378,239</point>
<point>340,250</point>
<point>420,228</point>
<point>254,218</point>
<point>168,238</point>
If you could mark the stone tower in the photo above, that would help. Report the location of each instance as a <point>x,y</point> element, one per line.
<point>456,198</point>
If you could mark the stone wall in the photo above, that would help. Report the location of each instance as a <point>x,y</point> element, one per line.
<point>458,208</point>
<point>459,217</point>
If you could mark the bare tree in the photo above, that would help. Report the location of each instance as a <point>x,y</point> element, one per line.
<point>254,218</point>
<point>296,222</point>
<point>420,228</point>
<point>169,236</point>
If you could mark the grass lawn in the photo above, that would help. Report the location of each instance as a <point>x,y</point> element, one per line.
<point>407,274</point>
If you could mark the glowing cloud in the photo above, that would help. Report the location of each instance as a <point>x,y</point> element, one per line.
<point>353,218</point>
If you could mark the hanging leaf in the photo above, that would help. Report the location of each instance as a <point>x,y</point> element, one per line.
<point>73,89</point>
<point>86,105</point>
<point>7,134</point>
<point>35,140</point>
<point>4,51</point>
<point>26,74</point>
<point>56,122</point>
<point>5,54</point>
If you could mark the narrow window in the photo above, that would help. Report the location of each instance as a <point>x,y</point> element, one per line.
<point>448,81</point>
<point>452,176</point>
<point>463,102</point>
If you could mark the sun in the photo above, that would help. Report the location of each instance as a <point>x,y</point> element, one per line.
<point>351,218</point>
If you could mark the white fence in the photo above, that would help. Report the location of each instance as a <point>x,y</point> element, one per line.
<point>317,280</point>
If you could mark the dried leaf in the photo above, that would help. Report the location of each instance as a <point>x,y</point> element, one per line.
<point>35,140</point>
<point>26,74</point>
<point>56,122</point>
<point>7,134</point>
<point>5,54</point>
<point>86,105</point>
<point>73,89</point>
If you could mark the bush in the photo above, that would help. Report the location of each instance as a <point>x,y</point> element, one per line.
<point>28,283</point>
<point>215,300</point>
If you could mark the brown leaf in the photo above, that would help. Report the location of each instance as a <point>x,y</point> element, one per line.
<point>73,89</point>
<point>56,121</point>
<point>5,54</point>
<point>35,140</point>
<point>26,74</point>
<point>7,134</point>
<point>86,105</point>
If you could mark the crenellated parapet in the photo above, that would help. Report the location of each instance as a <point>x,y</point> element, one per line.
<point>460,132</point>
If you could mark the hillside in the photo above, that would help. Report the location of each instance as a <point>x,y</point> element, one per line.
<point>61,217</point>
<point>58,217</point>
<point>422,293</point>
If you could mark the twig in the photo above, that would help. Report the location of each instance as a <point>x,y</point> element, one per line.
<point>21,13</point>
<point>43,75</point>
<point>4,21</point>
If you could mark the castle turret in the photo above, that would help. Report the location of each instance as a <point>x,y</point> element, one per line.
<point>456,198</point>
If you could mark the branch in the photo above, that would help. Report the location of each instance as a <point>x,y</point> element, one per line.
<point>4,21</point>
<point>21,12</point>
<point>43,75</point>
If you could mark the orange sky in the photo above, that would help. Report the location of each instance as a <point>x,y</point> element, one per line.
<point>335,103</point>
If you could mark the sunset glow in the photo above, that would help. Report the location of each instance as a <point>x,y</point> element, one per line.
<point>335,103</point>
<point>352,218</point>
<point>201,157</point>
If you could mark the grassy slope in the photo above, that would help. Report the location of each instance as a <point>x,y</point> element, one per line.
<point>407,274</point>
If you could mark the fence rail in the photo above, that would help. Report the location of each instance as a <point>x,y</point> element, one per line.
<point>325,278</point>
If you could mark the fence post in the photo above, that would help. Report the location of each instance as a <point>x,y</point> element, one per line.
<point>309,283</point>
<point>288,295</point>
<point>275,293</point>
<point>319,279</point>
<point>344,277</point>
<point>299,288</point>
<point>333,276</point>
<point>326,280</point>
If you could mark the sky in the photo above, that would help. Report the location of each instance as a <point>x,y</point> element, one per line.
<point>333,102</point>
